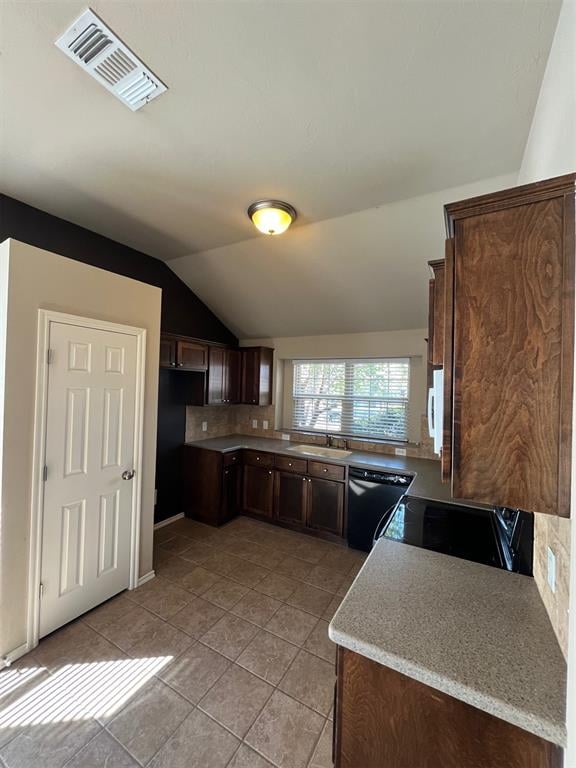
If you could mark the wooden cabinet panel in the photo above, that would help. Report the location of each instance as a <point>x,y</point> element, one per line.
<point>215,384</point>
<point>328,471</point>
<point>384,718</point>
<point>325,506</point>
<point>257,375</point>
<point>291,465</point>
<point>231,459</point>
<point>232,375</point>
<point>202,484</point>
<point>191,355</point>
<point>513,292</point>
<point>258,491</point>
<point>257,459</point>
<point>231,492</point>
<point>167,352</point>
<point>290,498</point>
<point>436,317</point>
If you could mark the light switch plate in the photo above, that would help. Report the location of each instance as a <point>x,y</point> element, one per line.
<point>264,424</point>
<point>204,426</point>
<point>254,423</point>
<point>400,451</point>
<point>551,569</point>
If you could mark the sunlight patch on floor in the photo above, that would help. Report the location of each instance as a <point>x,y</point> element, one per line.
<point>79,691</point>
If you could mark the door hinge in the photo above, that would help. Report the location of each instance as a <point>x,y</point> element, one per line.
<point>45,473</point>
<point>41,590</point>
<point>50,356</point>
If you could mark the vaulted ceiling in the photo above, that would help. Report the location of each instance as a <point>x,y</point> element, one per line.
<point>334,106</point>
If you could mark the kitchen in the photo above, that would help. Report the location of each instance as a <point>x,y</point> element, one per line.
<point>287,405</point>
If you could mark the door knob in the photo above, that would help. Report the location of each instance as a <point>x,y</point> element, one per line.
<point>128,474</point>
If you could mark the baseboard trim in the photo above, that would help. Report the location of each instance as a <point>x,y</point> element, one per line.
<point>147,577</point>
<point>14,655</point>
<point>172,519</point>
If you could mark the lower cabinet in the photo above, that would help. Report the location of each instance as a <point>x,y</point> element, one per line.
<point>258,493</point>
<point>212,485</point>
<point>325,506</point>
<point>290,495</point>
<point>384,718</point>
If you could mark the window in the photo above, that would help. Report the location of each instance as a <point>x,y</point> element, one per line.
<point>357,398</point>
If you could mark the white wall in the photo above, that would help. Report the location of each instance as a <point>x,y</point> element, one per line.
<point>409,343</point>
<point>36,279</point>
<point>551,146</point>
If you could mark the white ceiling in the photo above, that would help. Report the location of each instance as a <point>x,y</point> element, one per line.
<point>334,106</point>
<point>366,271</point>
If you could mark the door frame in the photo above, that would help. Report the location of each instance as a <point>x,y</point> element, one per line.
<point>45,319</point>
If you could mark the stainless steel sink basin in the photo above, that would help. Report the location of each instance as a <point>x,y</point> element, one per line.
<point>317,450</point>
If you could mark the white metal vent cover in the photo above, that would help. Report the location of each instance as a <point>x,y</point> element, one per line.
<point>94,47</point>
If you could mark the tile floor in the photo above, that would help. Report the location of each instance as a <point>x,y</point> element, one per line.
<point>222,660</point>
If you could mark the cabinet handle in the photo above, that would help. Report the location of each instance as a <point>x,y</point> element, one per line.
<point>269,471</point>
<point>174,364</point>
<point>257,458</point>
<point>324,470</point>
<point>289,463</point>
<point>225,471</point>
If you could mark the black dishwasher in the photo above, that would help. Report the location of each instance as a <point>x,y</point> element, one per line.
<point>371,495</point>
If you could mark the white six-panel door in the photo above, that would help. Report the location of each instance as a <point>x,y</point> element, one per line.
<point>90,438</point>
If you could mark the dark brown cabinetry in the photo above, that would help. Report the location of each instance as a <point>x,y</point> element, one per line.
<point>258,493</point>
<point>384,718</point>
<point>325,506</point>
<point>223,385</point>
<point>436,314</point>
<point>290,496</point>
<point>212,485</point>
<point>509,352</point>
<point>257,375</point>
<point>183,354</point>
<point>289,491</point>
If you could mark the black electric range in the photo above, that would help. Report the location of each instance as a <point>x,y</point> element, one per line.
<point>499,537</point>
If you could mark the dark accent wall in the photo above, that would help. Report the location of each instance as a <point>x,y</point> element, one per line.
<point>182,313</point>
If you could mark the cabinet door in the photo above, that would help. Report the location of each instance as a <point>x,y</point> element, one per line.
<point>167,352</point>
<point>191,355</point>
<point>232,375</point>
<point>231,492</point>
<point>290,498</point>
<point>258,491</point>
<point>250,375</point>
<point>325,505</point>
<point>513,356</point>
<point>436,316</point>
<point>215,395</point>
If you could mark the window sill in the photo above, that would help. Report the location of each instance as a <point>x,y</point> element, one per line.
<point>349,438</point>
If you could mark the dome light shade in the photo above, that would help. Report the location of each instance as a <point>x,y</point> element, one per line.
<point>271,217</point>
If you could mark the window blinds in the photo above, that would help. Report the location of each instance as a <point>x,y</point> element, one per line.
<point>359,398</point>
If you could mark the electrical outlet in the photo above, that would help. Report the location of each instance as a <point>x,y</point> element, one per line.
<point>551,575</point>
<point>254,423</point>
<point>264,424</point>
<point>285,437</point>
<point>400,451</point>
<point>204,426</point>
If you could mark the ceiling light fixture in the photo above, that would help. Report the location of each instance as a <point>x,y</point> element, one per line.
<point>271,217</point>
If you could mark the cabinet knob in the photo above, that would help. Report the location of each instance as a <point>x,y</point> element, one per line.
<point>257,458</point>
<point>324,470</point>
<point>226,471</point>
<point>173,364</point>
<point>269,471</point>
<point>289,463</point>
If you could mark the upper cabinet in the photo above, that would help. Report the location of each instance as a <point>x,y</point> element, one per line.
<point>224,368</point>
<point>257,375</point>
<point>436,314</point>
<point>508,357</point>
<point>183,354</point>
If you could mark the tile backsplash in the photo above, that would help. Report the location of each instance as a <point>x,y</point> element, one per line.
<point>238,420</point>
<point>554,532</point>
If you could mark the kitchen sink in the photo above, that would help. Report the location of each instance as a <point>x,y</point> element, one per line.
<point>317,450</point>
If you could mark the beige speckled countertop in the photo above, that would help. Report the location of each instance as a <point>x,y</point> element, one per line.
<point>426,484</point>
<point>474,632</point>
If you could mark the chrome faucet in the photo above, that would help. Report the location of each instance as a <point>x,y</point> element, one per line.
<point>331,438</point>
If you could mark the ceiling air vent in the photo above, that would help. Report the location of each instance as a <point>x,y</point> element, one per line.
<point>94,47</point>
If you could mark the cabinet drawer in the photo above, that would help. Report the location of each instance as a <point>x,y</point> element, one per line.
<point>291,465</point>
<point>231,458</point>
<point>330,471</point>
<point>256,459</point>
